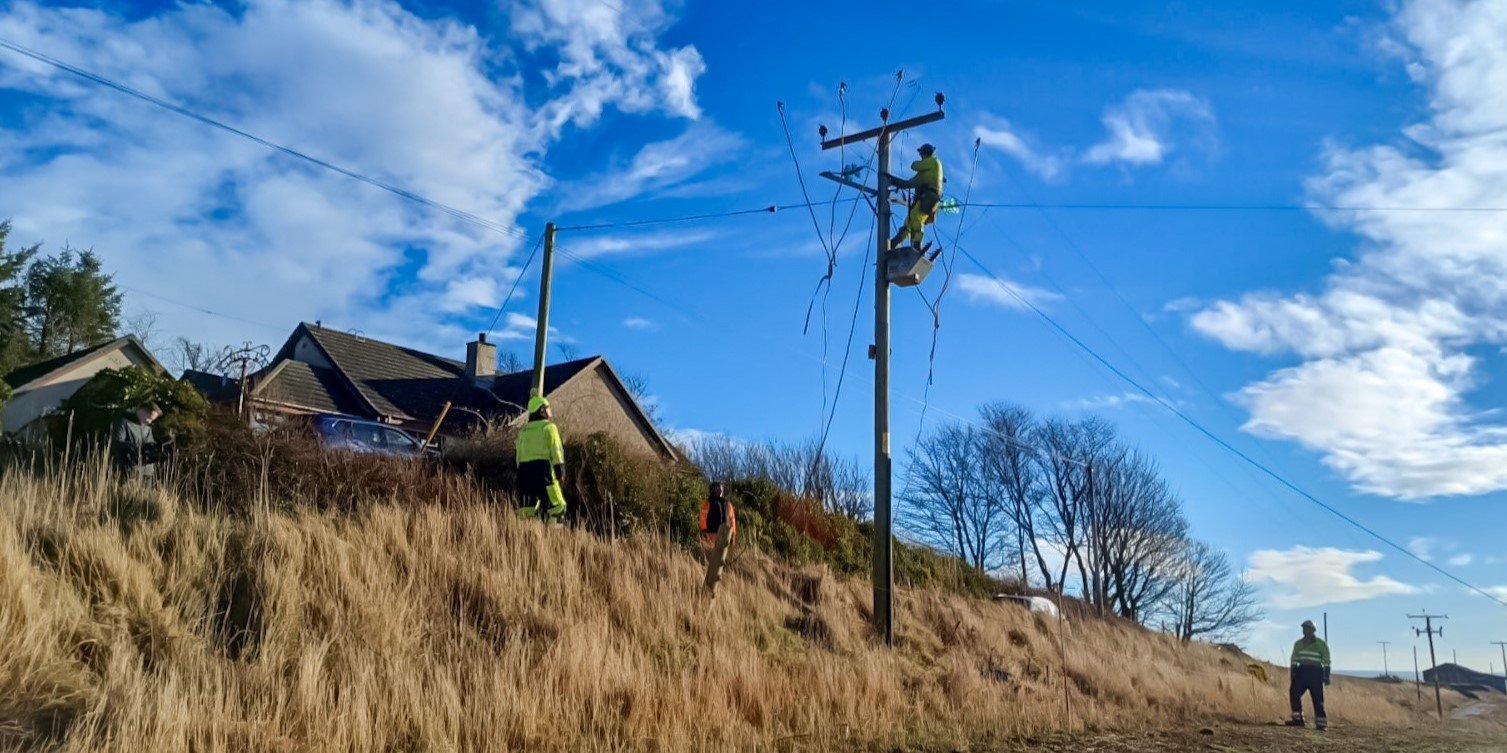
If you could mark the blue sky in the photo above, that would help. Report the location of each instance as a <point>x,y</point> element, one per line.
<point>1357,352</point>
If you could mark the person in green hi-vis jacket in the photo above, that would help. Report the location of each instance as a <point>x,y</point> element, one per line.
<point>1310,673</point>
<point>541,464</point>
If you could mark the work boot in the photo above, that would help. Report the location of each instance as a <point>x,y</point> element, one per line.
<point>1296,723</point>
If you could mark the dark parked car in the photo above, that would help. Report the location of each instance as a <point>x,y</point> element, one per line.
<point>360,435</point>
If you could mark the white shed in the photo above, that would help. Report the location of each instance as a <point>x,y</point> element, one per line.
<point>38,389</point>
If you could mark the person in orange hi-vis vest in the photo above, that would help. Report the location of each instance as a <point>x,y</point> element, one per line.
<point>716,510</point>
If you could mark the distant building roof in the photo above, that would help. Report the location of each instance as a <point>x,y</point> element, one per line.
<point>1454,674</point>
<point>216,388</point>
<point>304,385</point>
<point>41,370</point>
<point>375,379</point>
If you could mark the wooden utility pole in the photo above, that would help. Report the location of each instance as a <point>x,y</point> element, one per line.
<point>883,568</point>
<point>1417,679</point>
<point>541,335</point>
<point>1431,631</point>
<point>1386,672</point>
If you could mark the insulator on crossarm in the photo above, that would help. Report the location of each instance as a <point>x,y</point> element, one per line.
<point>940,99</point>
<point>822,131</point>
<point>884,114</point>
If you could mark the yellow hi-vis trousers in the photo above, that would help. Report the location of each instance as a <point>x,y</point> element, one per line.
<point>923,212</point>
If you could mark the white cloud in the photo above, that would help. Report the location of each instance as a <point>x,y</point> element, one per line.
<point>1004,138</point>
<point>1461,560</point>
<point>1101,402</point>
<point>639,322</point>
<point>188,212</point>
<point>1306,577</point>
<point>1423,546</point>
<point>1150,124</point>
<point>1389,346</point>
<point>1499,592</point>
<point>1010,295</point>
<point>606,54</point>
<point>1143,129</point>
<point>657,166</point>
<point>617,244</point>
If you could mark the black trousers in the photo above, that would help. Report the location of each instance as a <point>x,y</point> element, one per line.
<point>1308,679</point>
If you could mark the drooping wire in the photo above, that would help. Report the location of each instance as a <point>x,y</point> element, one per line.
<point>1221,442</point>
<point>847,352</point>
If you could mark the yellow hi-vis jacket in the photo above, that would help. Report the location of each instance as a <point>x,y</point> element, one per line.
<point>928,175</point>
<point>540,440</point>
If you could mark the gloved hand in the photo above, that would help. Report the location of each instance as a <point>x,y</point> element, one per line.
<point>1326,675</point>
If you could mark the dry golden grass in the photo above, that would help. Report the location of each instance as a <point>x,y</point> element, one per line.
<point>129,622</point>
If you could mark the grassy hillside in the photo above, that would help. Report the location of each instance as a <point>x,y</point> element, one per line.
<point>130,621</point>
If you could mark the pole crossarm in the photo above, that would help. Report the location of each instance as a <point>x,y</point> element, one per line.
<point>854,138</point>
<point>834,177</point>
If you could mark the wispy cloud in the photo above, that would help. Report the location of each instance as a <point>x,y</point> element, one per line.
<point>1150,124</point>
<point>1004,137</point>
<point>640,323</point>
<point>641,243</point>
<point>1146,128</point>
<point>1010,295</point>
<point>656,167</point>
<point>1306,577</point>
<point>1102,402</point>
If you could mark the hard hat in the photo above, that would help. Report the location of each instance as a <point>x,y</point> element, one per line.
<point>926,149</point>
<point>1308,624</point>
<point>536,403</point>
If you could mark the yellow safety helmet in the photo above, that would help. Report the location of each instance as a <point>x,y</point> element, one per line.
<point>536,403</point>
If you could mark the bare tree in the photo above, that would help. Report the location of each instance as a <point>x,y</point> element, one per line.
<point>638,387</point>
<point>185,354</point>
<point>1207,598</point>
<point>1138,534</point>
<point>947,503</point>
<point>837,481</point>
<point>1063,451</point>
<point>508,362</point>
<point>1010,468</point>
<point>143,324</point>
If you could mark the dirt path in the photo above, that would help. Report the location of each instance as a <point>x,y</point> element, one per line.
<point>1236,738</point>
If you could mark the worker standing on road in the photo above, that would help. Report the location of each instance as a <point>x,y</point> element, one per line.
<point>1310,673</point>
<point>927,183</point>
<point>541,464</point>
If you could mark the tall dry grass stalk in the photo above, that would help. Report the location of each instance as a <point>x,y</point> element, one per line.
<point>132,622</point>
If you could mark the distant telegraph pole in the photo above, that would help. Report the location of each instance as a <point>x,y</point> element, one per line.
<point>1431,631</point>
<point>1386,672</point>
<point>884,576</point>
<point>1502,645</point>
<point>1417,680</point>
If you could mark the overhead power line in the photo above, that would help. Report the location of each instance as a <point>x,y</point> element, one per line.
<point>1279,478</point>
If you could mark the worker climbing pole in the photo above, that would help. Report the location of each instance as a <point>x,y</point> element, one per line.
<point>926,197</point>
<point>905,266</point>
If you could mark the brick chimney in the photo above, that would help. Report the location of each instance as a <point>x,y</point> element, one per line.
<point>481,358</point>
